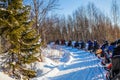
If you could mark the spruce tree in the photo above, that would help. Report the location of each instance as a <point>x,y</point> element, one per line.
<point>23,41</point>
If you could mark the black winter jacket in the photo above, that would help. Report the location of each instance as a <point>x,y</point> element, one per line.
<point>116,51</point>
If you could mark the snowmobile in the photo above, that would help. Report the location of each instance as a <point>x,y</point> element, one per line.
<point>109,73</point>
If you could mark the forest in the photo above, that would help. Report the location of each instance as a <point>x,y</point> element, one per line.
<point>86,23</point>
<point>28,25</point>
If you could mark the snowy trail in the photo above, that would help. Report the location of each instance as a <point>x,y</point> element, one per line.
<point>80,65</point>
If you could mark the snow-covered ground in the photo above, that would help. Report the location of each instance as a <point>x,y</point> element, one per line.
<point>74,64</point>
<point>66,63</point>
<point>4,76</point>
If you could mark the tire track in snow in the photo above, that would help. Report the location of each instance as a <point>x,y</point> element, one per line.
<point>82,66</point>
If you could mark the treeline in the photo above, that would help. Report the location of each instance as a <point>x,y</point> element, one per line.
<point>86,23</point>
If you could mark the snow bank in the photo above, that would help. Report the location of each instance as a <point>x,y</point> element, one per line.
<point>52,55</point>
<point>45,69</point>
<point>4,76</point>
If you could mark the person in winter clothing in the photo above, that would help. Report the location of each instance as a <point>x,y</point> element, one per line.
<point>70,43</point>
<point>105,53</point>
<point>76,44</point>
<point>57,42</point>
<point>82,44</point>
<point>90,45</point>
<point>116,60</point>
<point>105,45</point>
<point>63,42</point>
<point>111,48</point>
<point>95,46</point>
<point>104,48</point>
<point>116,51</point>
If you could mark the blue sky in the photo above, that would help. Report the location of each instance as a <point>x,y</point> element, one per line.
<point>68,6</point>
